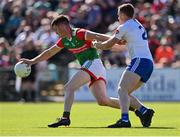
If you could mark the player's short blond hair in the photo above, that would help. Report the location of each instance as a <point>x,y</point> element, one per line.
<point>127,9</point>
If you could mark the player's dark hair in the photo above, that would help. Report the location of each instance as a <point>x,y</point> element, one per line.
<point>127,9</point>
<point>60,19</point>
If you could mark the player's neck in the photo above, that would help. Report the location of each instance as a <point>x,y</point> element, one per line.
<point>125,20</point>
<point>69,35</point>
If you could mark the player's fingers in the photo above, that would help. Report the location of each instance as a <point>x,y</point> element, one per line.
<point>22,59</point>
<point>25,61</point>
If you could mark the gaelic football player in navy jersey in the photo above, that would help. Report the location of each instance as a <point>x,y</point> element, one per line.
<point>138,71</point>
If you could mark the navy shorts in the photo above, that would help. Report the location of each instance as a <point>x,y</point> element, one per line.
<point>141,66</point>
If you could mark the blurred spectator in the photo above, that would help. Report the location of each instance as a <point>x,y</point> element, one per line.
<point>13,22</point>
<point>31,14</point>
<point>6,53</point>
<point>76,4</point>
<point>51,15</point>
<point>88,16</point>
<point>21,27</point>
<point>177,56</point>
<point>13,57</point>
<point>80,20</point>
<point>164,55</point>
<point>109,13</point>
<point>63,7</point>
<point>7,9</point>
<point>153,42</point>
<point>44,36</point>
<point>28,90</point>
<point>94,15</point>
<point>42,7</point>
<point>21,38</point>
<point>2,26</point>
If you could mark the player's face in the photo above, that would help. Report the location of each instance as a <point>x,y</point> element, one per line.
<point>61,29</point>
<point>120,17</point>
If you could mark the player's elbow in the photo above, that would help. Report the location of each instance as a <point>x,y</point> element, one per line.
<point>49,53</point>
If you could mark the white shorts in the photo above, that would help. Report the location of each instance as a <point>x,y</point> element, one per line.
<point>95,69</point>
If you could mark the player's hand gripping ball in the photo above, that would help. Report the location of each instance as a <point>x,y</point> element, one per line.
<point>22,70</point>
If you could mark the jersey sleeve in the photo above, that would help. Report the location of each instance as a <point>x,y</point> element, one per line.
<point>81,34</point>
<point>59,43</point>
<point>120,32</point>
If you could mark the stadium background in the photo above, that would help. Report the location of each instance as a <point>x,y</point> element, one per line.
<point>25,32</point>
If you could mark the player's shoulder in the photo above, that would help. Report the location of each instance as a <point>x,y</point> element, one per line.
<point>128,25</point>
<point>122,28</point>
<point>129,22</point>
<point>59,43</point>
<point>60,39</point>
<point>79,32</point>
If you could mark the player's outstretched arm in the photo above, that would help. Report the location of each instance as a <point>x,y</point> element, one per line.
<point>90,35</point>
<point>106,45</point>
<point>45,55</point>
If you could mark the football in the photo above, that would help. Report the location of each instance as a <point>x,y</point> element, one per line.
<point>22,70</point>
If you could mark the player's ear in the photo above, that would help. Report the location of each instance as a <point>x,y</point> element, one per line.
<point>123,16</point>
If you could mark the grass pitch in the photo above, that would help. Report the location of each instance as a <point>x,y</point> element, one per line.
<point>88,119</point>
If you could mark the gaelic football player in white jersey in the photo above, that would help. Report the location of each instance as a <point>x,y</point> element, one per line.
<point>138,71</point>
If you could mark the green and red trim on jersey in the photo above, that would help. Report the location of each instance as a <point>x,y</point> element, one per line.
<point>79,46</point>
<point>80,34</point>
<point>94,78</point>
<point>81,49</point>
